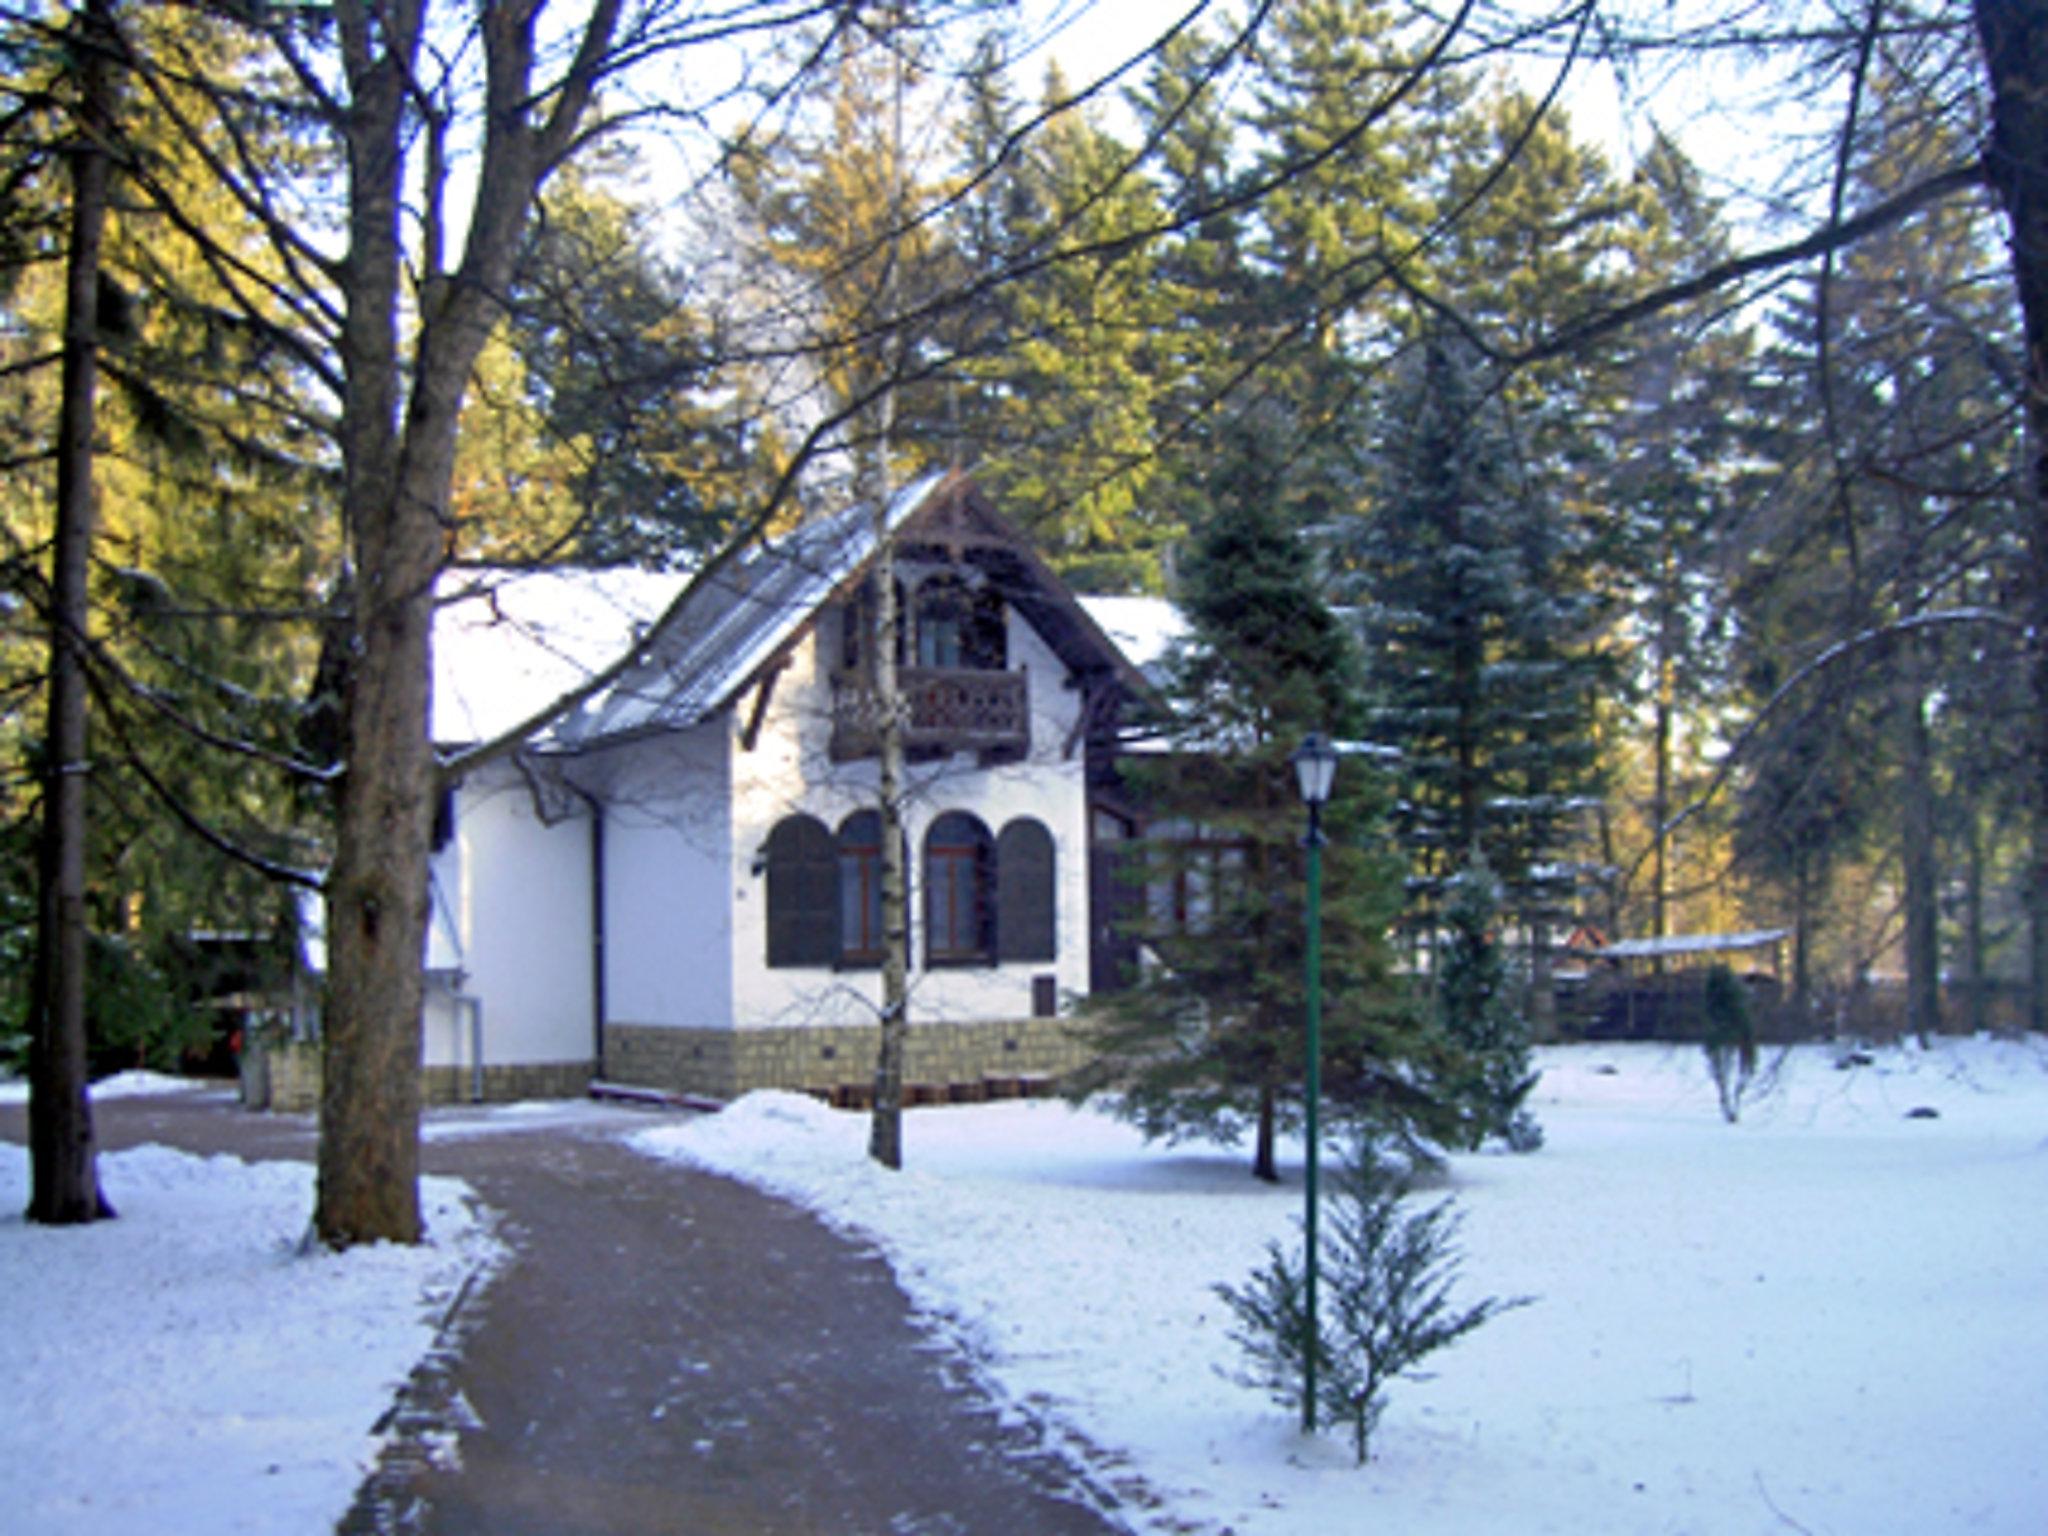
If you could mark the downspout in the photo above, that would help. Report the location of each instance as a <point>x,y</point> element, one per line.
<point>598,1003</point>
<point>475,1005</point>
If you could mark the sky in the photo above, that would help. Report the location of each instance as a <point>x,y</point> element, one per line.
<point>1826,1318</point>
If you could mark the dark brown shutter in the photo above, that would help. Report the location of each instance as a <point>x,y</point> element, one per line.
<point>803,893</point>
<point>1026,927</point>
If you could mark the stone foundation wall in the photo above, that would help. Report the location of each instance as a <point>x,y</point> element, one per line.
<point>942,1062</point>
<point>506,1083</point>
<point>286,1078</point>
<point>959,1062</point>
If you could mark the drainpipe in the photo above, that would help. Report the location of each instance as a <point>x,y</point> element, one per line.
<point>598,1003</point>
<point>476,1044</point>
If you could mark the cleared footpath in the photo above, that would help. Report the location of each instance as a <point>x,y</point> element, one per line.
<point>668,1352</point>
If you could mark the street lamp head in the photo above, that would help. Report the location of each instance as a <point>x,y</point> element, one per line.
<point>1315,768</point>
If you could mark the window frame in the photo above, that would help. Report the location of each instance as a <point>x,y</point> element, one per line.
<point>860,865</point>
<point>960,626</point>
<point>959,892</point>
<point>1206,869</point>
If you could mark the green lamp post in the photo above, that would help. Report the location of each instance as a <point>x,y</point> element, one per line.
<point>1315,769</point>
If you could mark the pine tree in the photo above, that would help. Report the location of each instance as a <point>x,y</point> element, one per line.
<point>619,397</point>
<point>1078,393</point>
<point>1208,1041</point>
<point>1484,666</point>
<point>182,506</point>
<point>842,247</point>
<point>1679,447</point>
<point>1387,1281</point>
<point>1893,437</point>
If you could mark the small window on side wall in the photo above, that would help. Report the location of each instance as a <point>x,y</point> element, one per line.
<point>803,893</point>
<point>1026,916</point>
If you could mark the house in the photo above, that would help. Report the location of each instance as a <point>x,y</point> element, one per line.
<point>675,886</point>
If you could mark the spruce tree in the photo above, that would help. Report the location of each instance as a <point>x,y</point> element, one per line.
<point>1479,1009</point>
<point>1208,1041</point>
<point>1484,667</point>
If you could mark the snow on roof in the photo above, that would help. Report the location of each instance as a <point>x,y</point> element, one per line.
<point>1143,628</point>
<point>506,642</point>
<point>738,620</point>
<point>1694,943</point>
<point>509,643</point>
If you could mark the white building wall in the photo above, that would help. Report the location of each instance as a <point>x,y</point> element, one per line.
<point>510,926</point>
<point>790,770</point>
<point>669,877</point>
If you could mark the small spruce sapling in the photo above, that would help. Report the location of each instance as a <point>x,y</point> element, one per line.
<point>1476,1006</point>
<point>1730,1040</point>
<point>1385,1279</point>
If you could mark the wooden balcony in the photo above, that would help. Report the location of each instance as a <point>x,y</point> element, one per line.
<point>951,710</point>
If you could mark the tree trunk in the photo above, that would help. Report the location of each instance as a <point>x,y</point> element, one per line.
<point>885,1131</point>
<point>1974,978</point>
<point>368,1174</point>
<point>1802,947</point>
<point>64,1182</point>
<point>2014,35</point>
<point>397,477</point>
<point>1660,794</point>
<point>1917,853</point>
<point>1264,1164</point>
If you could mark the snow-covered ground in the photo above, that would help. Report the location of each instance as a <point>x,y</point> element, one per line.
<point>1830,1318</point>
<point>186,1368</point>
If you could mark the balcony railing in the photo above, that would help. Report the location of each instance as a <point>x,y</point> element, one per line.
<point>951,710</point>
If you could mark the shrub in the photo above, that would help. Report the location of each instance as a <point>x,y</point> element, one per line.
<point>1730,1040</point>
<point>1477,1006</point>
<point>1385,1280</point>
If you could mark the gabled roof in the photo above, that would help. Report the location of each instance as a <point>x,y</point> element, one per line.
<point>1144,629</point>
<point>506,642</point>
<point>515,642</point>
<point>737,621</point>
<point>1678,944</point>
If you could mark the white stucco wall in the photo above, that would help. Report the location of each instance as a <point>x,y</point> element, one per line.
<point>790,770</point>
<point>513,917</point>
<point>669,861</point>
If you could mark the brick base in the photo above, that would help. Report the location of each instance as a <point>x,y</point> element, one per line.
<point>943,1063</point>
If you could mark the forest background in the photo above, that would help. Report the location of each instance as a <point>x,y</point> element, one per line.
<point>1687,500</point>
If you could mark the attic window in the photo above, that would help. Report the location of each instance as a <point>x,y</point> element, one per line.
<point>959,626</point>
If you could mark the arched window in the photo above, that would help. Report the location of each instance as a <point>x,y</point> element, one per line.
<point>1026,928</point>
<point>959,626</point>
<point>959,905</point>
<point>803,893</point>
<point>860,889</point>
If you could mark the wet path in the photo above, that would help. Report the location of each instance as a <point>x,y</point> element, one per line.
<point>668,1352</point>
